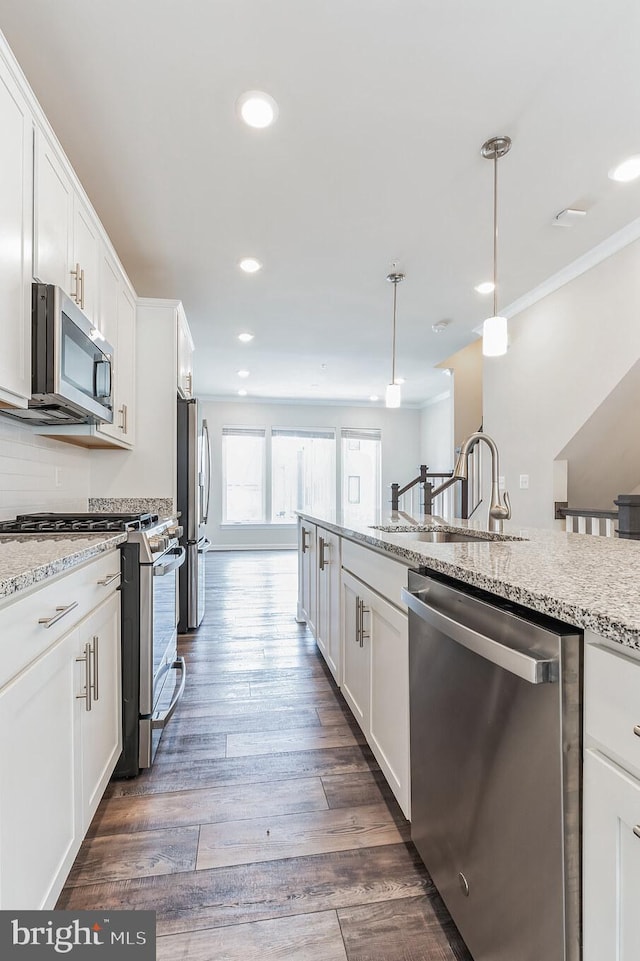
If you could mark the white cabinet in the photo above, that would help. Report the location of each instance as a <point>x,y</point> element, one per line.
<point>56,755</point>
<point>611,921</point>
<point>98,690</point>
<point>117,320</point>
<point>375,678</point>
<point>66,237</point>
<point>356,651</point>
<point>16,193</point>
<point>307,577</point>
<point>40,806</point>
<point>611,792</point>
<point>185,351</point>
<point>328,627</point>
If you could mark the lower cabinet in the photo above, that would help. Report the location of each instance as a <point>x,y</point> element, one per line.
<point>611,921</point>
<point>307,581</point>
<point>611,799</point>
<point>40,796</point>
<point>328,600</point>
<point>375,680</point>
<point>60,737</point>
<point>98,666</point>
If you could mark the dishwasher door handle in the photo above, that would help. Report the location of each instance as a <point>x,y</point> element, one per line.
<point>535,670</point>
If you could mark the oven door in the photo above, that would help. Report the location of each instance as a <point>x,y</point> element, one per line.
<point>158,647</point>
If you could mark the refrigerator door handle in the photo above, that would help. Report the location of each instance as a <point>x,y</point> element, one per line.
<point>206,482</point>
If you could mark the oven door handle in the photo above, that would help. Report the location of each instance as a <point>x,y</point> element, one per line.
<point>159,570</point>
<point>162,718</point>
<point>535,670</point>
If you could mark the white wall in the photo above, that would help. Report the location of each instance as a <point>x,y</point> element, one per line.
<point>39,474</point>
<point>436,433</point>
<point>400,453</point>
<point>567,353</point>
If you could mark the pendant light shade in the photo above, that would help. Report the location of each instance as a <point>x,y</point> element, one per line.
<point>495,337</point>
<point>393,393</point>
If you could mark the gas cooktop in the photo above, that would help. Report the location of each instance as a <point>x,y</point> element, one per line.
<point>51,523</point>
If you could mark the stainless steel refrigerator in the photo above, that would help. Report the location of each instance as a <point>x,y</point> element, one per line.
<point>194,480</point>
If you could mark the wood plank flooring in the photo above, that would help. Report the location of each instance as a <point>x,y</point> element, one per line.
<point>265,828</point>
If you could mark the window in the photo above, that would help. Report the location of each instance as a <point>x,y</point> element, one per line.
<point>361,474</point>
<point>243,491</point>
<point>303,472</point>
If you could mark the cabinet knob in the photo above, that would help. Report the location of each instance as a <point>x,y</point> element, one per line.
<point>636,730</point>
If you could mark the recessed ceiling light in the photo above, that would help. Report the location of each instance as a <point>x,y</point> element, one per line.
<point>242,373</point>
<point>628,170</point>
<point>374,397</point>
<point>250,265</point>
<point>486,287</point>
<point>257,109</point>
<point>242,392</point>
<point>245,338</point>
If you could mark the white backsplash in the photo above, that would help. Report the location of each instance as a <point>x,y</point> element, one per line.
<point>40,474</point>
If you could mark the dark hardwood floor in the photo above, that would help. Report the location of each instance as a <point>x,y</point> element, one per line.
<point>265,828</point>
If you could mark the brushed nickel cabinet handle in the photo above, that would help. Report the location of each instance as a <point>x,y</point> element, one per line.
<point>60,613</point>
<point>86,694</point>
<point>125,410</point>
<point>321,553</point>
<point>364,635</point>
<point>304,539</point>
<point>75,293</point>
<point>105,581</point>
<point>189,379</point>
<point>636,730</point>
<point>96,662</point>
<point>82,288</point>
<point>636,830</point>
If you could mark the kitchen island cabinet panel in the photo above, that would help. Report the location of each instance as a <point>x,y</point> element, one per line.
<point>612,861</point>
<point>328,627</point>
<point>375,678</point>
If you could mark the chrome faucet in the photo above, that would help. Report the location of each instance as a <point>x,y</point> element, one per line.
<point>498,511</point>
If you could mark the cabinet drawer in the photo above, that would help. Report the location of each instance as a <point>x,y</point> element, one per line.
<point>24,638</point>
<point>384,575</point>
<point>612,704</point>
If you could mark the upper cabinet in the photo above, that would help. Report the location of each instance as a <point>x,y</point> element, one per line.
<point>66,240</point>
<point>71,251</point>
<point>16,193</point>
<point>185,356</point>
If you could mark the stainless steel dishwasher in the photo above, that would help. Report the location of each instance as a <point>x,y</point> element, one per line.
<point>495,706</point>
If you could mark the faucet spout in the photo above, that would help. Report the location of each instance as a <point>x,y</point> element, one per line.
<point>499,511</point>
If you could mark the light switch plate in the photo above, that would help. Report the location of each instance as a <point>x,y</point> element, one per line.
<point>524,482</point>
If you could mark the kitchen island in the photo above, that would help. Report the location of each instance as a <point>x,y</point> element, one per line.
<point>350,580</point>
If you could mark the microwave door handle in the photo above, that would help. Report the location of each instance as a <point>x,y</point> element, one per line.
<point>102,365</point>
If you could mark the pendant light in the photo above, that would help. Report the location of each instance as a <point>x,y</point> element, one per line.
<point>494,329</point>
<point>393,392</point>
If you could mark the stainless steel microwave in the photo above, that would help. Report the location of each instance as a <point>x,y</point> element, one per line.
<point>71,364</point>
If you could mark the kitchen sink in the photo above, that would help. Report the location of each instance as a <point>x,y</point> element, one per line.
<point>443,537</point>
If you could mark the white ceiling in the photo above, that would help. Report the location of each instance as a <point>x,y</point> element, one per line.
<point>375,157</point>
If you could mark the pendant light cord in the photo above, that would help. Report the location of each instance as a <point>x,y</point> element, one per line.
<point>393,345</point>
<point>495,234</point>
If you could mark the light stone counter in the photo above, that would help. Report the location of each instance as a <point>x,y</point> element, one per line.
<point>30,559</point>
<point>587,581</point>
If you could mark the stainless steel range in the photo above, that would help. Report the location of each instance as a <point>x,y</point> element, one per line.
<point>153,676</point>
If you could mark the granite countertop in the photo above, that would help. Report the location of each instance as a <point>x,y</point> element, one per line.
<point>587,581</point>
<point>29,559</point>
